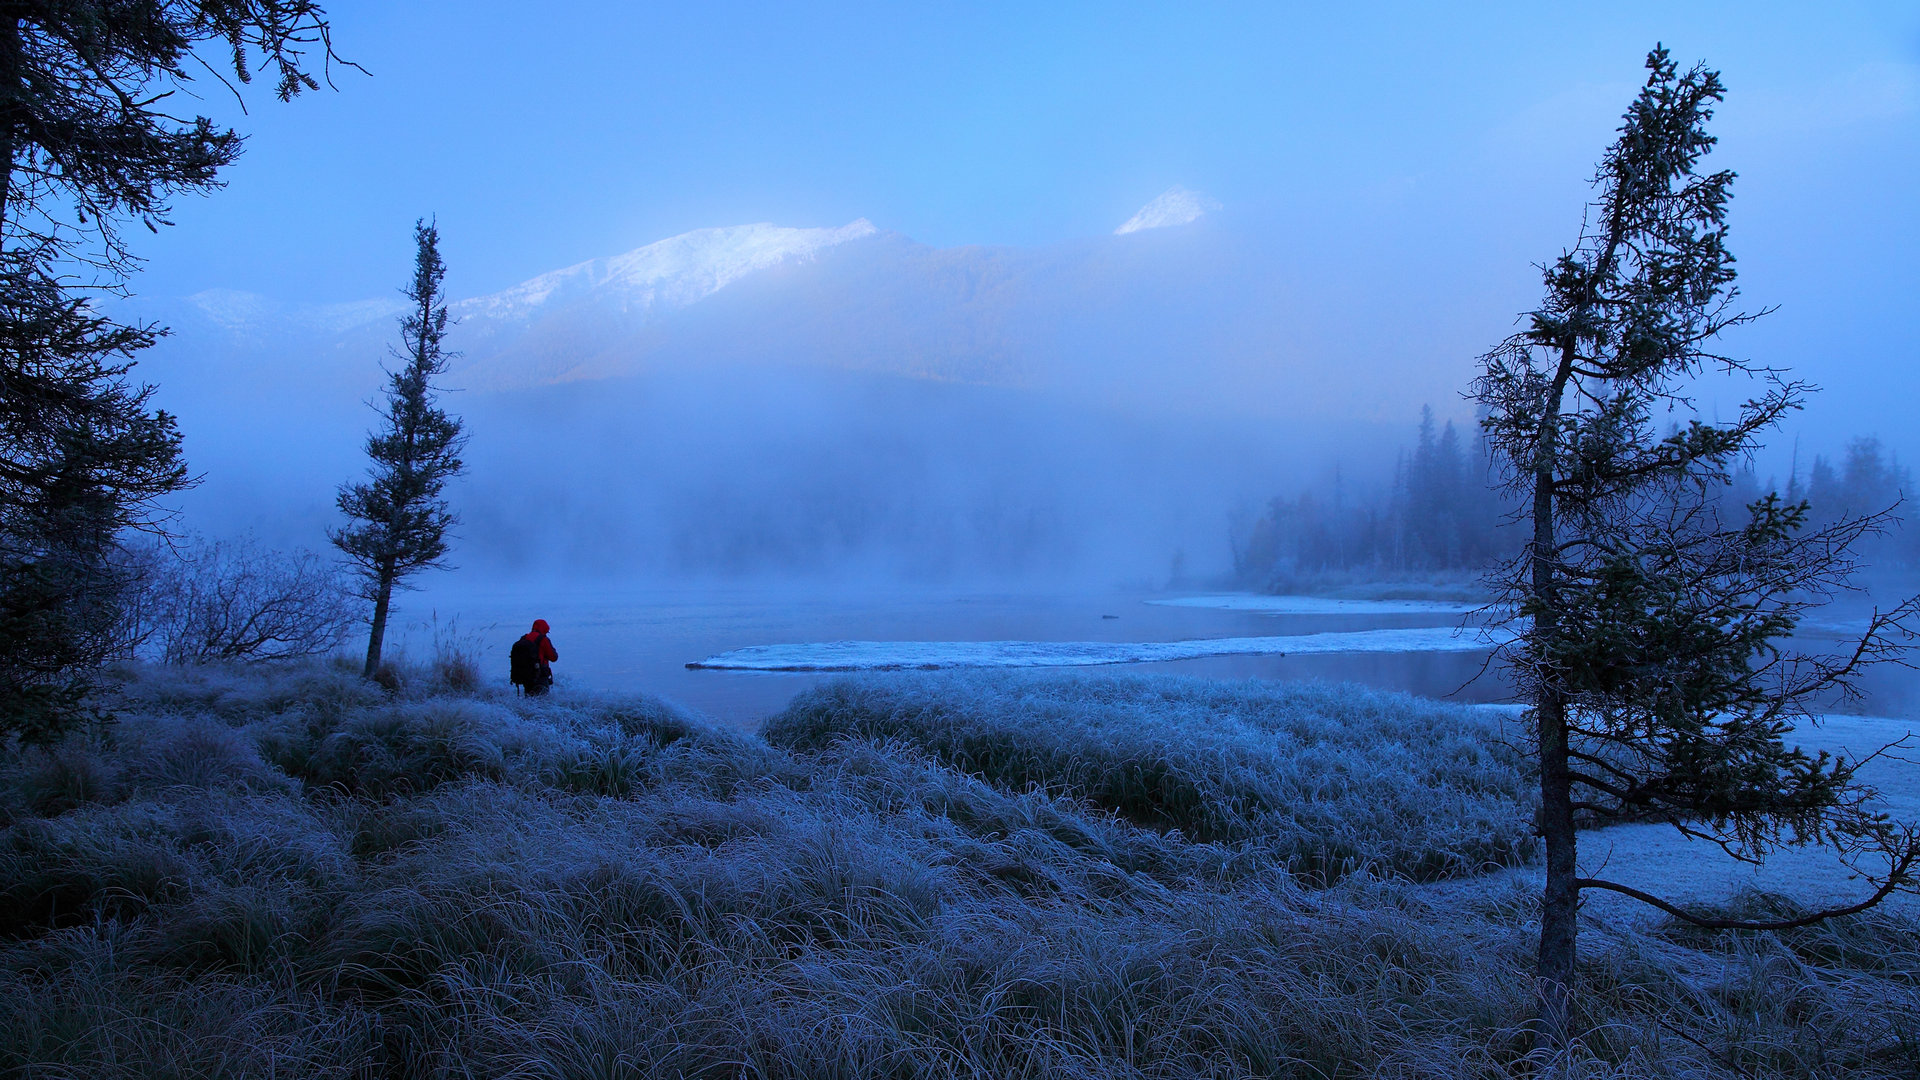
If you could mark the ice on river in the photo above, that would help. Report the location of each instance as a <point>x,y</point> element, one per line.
<point>1316,605</point>
<point>896,655</point>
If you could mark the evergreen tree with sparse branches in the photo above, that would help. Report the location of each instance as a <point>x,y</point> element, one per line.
<point>88,144</point>
<point>401,519</point>
<point>1652,629</point>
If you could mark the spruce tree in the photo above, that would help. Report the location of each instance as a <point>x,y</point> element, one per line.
<point>90,143</point>
<point>401,519</point>
<point>1653,648</point>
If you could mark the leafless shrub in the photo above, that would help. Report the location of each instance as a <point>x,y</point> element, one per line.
<point>208,600</point>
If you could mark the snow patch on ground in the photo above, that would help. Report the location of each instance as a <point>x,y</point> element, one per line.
<point>1316,605</point>
<point>897,655</point>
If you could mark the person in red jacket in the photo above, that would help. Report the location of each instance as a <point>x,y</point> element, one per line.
<point>531,656</point>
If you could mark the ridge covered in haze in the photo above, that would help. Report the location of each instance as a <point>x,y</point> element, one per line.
<point>852,298</point>
<point>661,276</point>
<point>840,400</point>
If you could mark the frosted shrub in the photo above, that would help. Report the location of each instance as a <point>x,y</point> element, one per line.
<point>204,601</point>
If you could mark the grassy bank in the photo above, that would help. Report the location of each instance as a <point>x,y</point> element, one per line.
<point>291,873</point>
<point>1320,780</point>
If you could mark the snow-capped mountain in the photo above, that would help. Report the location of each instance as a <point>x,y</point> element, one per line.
<point>1174,206</point>
<point>664,275</point>
<point>581,322</point>
<point>1090,314</point>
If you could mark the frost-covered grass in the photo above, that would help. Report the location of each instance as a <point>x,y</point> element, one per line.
<point>1320,779</point>
<point>290,874</point>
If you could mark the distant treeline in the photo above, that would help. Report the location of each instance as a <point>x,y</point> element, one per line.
<point>1869,479</point>
<point>1442,515</point>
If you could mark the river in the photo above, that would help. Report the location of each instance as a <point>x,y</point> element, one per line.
<point>642,638</point>
<point>628,638</point>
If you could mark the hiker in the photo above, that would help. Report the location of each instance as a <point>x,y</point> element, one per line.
<point>528,660</point>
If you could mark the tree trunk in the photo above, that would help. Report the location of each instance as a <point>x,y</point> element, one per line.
<point>383,599</point>
<point>1560,909</point>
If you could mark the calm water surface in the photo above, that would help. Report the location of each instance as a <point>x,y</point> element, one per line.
<point>641,639</point>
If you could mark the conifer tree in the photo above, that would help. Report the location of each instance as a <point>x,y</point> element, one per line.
<point>89,142</point>
<point>401,520</point>
<point>1653,648</point>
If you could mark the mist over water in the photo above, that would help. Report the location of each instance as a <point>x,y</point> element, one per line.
<point>757,413</point>
<point>883,411</point>
<point>848,403</point>
<point>710,444</point>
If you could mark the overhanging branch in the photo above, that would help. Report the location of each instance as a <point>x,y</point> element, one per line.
<point>1899,874</point>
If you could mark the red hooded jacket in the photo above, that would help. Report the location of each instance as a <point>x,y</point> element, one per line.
<point>548,654</point>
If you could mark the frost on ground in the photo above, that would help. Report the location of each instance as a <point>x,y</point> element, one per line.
<point>290,872</point>
<point>1316,605</point>
<point>896,655</point>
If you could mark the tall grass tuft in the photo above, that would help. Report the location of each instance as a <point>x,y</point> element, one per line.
<point>456,657</point>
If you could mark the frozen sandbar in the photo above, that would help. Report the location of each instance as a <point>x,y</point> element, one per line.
<point>896,655</point>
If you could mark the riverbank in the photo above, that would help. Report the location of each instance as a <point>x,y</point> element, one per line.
<point>292,873</point>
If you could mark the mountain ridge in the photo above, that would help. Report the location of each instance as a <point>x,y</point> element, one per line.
<point>636,286</point>
<point>851,297</point>
<point>674,272</point>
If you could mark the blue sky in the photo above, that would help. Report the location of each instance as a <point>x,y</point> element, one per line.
<point>592,128</point>
<point>1390,149</point>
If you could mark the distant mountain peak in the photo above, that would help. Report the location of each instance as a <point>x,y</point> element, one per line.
<point>1175,206</point>
<point>670,273</point>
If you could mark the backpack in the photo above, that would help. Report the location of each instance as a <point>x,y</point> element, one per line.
<point>523,663</point>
